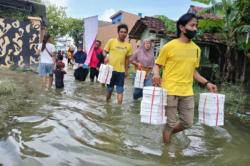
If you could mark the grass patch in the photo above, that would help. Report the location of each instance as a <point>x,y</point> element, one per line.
<point>7,87</point>
<point>236,97</point>
<point>236,101</point>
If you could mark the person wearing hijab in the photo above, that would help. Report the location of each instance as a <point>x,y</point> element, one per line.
<point>143,59</point>
<point>81,71</point>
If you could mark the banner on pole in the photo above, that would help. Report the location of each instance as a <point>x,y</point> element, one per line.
<point>90,33</point>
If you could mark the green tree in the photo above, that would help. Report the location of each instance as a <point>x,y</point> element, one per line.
<point>244,10</point>
<point>169,24</point>
<point>13,13</point>
<point>243,32</point>
<point>75,29</point>
<point>18,15</point>
<point>210,25</point>
<point>230,27</point>
<point>57,25</point>
<point>61,25</point>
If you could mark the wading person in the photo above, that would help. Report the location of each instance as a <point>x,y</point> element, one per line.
<point>47,53</point>
<point>96,60</point>
<point>81,70</point>
<point>119,51</point>
<point>143,59</point>
<point>59,75</point>
<point>179,59</point>
<point>70,54</point>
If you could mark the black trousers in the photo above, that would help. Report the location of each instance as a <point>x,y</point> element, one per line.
<point>81,74</point>
<point>93,73</point>
<point>70,61</point>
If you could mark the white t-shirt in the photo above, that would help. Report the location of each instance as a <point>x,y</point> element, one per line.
<point>44,55</point>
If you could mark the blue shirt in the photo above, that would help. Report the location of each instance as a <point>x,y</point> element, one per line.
<point>80,57</point>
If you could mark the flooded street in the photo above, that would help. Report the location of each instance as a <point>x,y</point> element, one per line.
<point>76,126</point>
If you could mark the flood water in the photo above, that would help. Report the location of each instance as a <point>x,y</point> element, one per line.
<point>76,126</point>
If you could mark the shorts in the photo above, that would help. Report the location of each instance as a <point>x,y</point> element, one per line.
<point>45,69</point>
<point>117,80</point>
<point>184,106</point>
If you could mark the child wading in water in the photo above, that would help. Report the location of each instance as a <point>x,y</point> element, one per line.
<point>59,73</point>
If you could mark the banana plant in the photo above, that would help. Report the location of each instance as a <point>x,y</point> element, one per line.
<point>230,28</point>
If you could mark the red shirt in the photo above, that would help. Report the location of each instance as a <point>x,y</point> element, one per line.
<point>60,64</point>
<point>94,59</point>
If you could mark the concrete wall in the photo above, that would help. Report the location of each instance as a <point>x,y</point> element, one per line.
<point>110,31</point>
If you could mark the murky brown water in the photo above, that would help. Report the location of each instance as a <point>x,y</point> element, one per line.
<point>76,126</point>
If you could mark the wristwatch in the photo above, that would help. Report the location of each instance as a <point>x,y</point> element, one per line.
<point>206,83</point>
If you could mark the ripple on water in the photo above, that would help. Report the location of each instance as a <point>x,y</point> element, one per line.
<point>75,126</point>
<point>29,119</point>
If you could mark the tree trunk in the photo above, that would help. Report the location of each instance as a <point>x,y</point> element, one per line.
<point>227,64</point>
<point>242,79</point>
<point>236,66</point>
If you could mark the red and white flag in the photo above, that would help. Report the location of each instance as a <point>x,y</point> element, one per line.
<point>90,33</point>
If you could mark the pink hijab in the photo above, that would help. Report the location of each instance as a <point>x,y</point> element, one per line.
<point>143,56</point>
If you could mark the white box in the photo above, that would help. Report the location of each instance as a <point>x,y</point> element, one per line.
<point>157,99</point>
<point>212,122</point>
<point>156,111</point>
<point>211,109</point>
<point>153,114</point>
<point>105,74</point>
<point>156,90</point>
<point>139,79</point>
<point>210,118</point>
<point>155,94</point>
<point>153,105</point>
<point>154,120</point>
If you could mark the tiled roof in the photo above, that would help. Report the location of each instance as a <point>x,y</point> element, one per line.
<point>116,14</point>
<point>151,23</point>
<point>154,23</point>
<point>158,26</point>
<point>206,37</point>
<point>209,37</point>
<point>197,9</point>
<point>210,16</point>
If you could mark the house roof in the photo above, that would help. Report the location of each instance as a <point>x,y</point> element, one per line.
<point>33,8</point>
<point>151,23</point>
<point>197,9</point>
<point>121,12</point>
<point>117,13</point>
<point>210,16</point>
<point>103,23</point>
<point>209,37</point>
<point>26,6</point>
<point>158,26</point>
<point>205,38</point>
